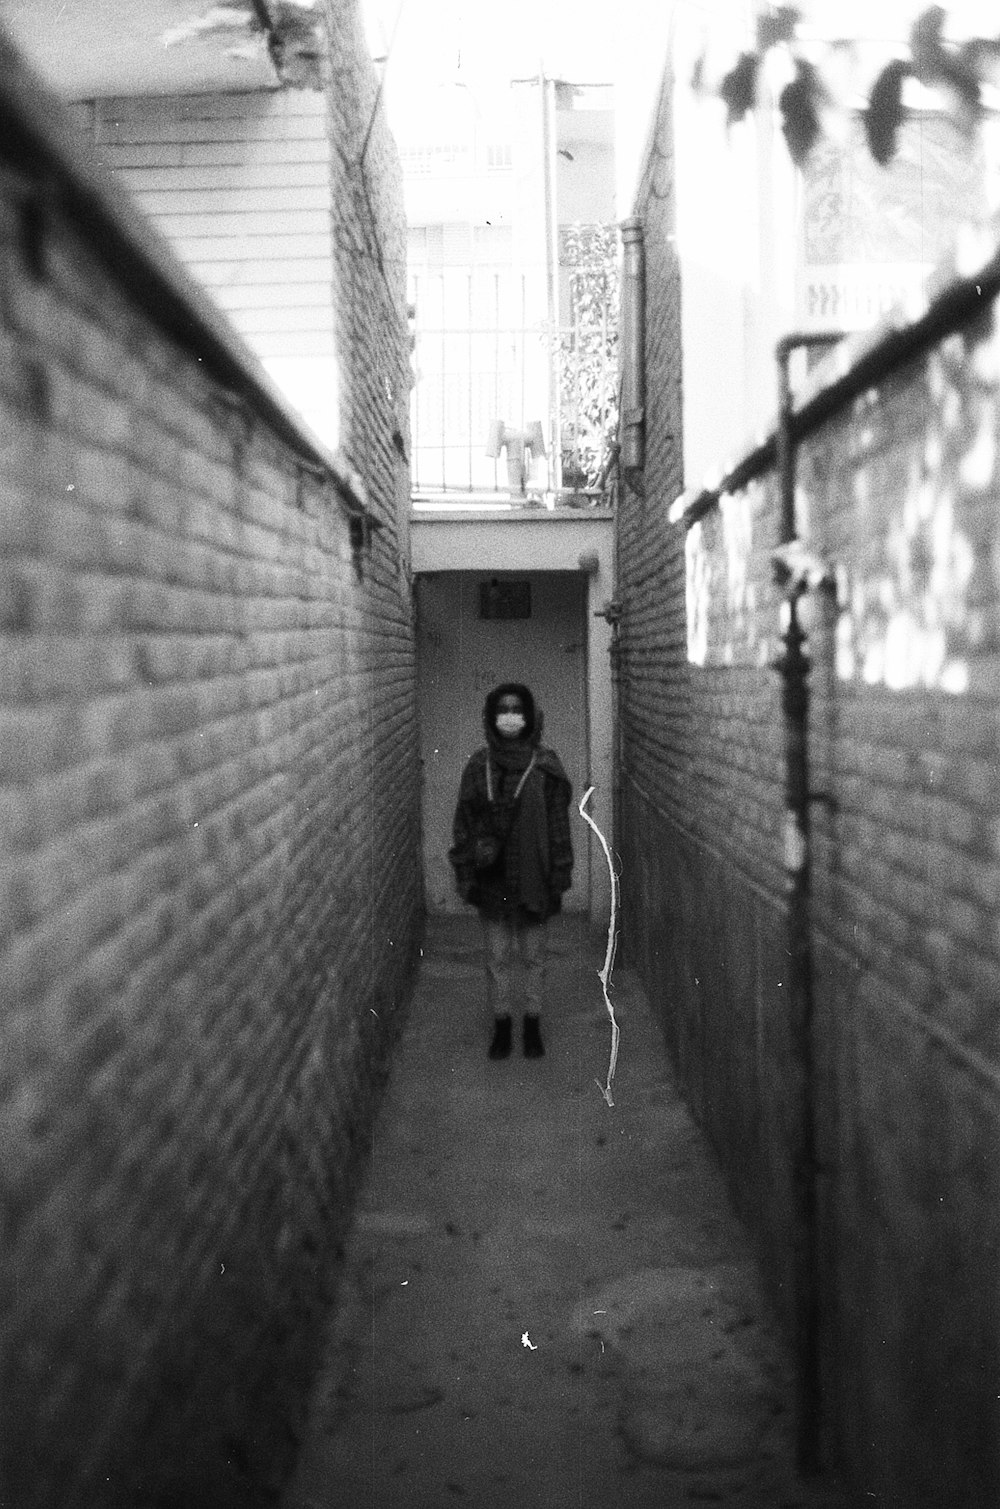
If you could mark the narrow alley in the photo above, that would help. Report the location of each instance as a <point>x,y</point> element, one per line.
<point>358,357</point>
<point>546,1301</point>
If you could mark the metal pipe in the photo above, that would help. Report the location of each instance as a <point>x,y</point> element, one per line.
<point>631,335</point>
<point>546,90</point>
<point>963,302</point>
<point>469,395</point>
<point>793,667</point>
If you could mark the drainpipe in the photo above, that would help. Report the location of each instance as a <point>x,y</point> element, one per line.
<point>611,612</point>
<point>547,98</point>
<point>798,571</point>
<point>632,426</point>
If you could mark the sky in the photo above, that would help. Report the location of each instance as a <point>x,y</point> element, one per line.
<point>485,46</point>
<point>584,39</point>
<point>467,36</point>
<point>482,47</point>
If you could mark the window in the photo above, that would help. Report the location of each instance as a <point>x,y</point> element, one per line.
<point>493,245</point>
<point>507,599</point>
<point>498,156</point>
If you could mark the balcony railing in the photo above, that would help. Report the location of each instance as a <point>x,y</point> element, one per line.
<point>478,360</point>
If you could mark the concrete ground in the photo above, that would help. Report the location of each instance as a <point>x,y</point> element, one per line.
<point>548,1302</point>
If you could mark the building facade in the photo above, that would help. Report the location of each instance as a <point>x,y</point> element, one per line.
<point>507,194</point>
<point>807,697</point>
<point>209,850</point>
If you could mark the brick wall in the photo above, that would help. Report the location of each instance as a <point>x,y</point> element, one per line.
<point>374,343</point>
<point>902,493</point>
<point>209,860</point>
<point>899,492</point>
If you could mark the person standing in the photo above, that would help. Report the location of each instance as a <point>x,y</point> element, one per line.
<point>512,854</point>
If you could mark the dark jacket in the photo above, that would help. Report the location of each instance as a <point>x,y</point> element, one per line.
<point>529,832</point>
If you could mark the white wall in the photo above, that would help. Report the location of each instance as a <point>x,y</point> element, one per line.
<point>738,243</point>
<point>460,658</point>
<point>538,542</point>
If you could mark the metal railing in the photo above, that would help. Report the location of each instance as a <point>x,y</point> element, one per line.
<point>479,358</point>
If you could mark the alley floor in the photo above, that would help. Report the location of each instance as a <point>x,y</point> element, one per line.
<point>547,1301</point>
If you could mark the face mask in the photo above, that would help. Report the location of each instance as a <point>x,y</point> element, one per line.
<point>510,724</point>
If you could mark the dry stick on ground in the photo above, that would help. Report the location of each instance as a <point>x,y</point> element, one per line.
<point>609,957</point>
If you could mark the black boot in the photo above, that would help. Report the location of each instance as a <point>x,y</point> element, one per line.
<point>533,1046</point>
<point>500,1046</point>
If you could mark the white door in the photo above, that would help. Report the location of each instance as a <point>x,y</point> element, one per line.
<point>461,657</point>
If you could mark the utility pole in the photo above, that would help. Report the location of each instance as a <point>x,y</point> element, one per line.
<point>546,94</point>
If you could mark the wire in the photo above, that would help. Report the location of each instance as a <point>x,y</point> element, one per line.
<point>264,18</point>
<point>378,258</point>
<point>381,84</point>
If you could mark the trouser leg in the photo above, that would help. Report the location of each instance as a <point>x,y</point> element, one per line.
<point>531,941</point>
<point>499,980</point>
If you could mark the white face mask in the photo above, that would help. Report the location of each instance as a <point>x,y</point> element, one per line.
<point>510,724</point>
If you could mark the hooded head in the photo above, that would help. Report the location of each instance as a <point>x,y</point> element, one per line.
<point>532,730</point>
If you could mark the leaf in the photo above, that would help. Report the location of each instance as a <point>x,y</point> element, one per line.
<point>926,44</point>
<point>978,49</point>
<point>799,103</point>
<point>957,71</point>
<point>885,113</point>
<point>963,81</point>
<point>777,25</point>
<point>739,87</point>
<point>981,56</point>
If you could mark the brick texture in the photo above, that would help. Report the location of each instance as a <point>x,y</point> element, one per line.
<point>899,494</point>
<point>209,865</point>
<point>905,714</point>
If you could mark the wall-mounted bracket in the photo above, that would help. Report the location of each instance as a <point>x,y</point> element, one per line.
<point>800,569</point>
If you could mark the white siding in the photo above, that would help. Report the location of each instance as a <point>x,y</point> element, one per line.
<point>240,185</point>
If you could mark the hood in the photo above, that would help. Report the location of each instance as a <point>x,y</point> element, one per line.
<point>532,714</point>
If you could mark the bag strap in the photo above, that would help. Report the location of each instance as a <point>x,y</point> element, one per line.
<point>520,784</point>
